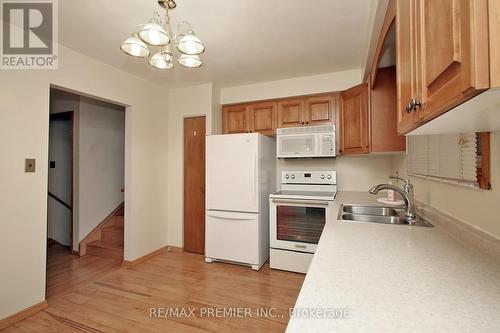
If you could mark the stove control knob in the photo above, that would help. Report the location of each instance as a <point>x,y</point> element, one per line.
<point>292,176</point>
<point>329,177</point>
<point>322,176</point>
<point>287,176</point>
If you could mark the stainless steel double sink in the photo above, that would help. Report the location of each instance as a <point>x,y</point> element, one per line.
<point>377,214</point>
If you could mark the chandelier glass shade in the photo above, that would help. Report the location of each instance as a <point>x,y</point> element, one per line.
<point>158,33</point>
<point>154,34</point>
<point>162,60</point>
<point>191,61</point>
<point>135,47</point>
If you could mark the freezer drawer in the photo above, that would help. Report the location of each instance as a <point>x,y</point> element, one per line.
<point>232,236</point>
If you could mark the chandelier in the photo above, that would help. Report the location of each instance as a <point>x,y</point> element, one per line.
<point>158,33</point>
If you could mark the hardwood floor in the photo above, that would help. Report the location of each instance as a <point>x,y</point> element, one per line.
<point>92,294</point>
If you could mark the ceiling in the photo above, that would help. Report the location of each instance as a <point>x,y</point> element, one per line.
<point>247,41</point>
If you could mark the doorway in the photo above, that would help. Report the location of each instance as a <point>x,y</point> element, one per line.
<point>194,184</point>
<point>86,179</point>
<point>60,180</point>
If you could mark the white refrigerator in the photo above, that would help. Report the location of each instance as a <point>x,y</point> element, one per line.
<point>240,175</point>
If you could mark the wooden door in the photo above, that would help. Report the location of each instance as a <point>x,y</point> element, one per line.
<point>234,119</point>
<point>383,111</point>
<point>454,50</point>
<point>407,64</point>
<point>291,113</point>
<point>354,131</point>
<point>194,185</point>
<point>319,110</point>
<point>262,118</point>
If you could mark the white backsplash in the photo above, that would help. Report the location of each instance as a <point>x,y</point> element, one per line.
<point>354,173</point>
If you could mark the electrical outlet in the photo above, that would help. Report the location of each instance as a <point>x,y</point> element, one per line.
<point>29,165</point>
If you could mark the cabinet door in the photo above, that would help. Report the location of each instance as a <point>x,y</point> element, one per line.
<point>354,132</point>
<point>454,52</point>
<point>262,118</point>
<point>319,110</point>
<point>407,64</point>
<point>234,119</point>
<point>291,113</point>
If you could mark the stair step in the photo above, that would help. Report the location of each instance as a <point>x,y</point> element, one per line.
<point>112,234</point>
<point>118,220</point>
<point>105,250</point>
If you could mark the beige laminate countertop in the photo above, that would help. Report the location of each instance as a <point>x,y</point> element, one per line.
<point>394,278</point>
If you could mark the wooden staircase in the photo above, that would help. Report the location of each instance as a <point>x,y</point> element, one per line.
<point>108,238</point>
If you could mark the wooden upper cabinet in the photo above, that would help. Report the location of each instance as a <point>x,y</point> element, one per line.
<point>383,113</point>
<point>234,119</point>
<point>442,56</point>
<point>354,121</point>
<point>266,117</point>
<point>291,113</point>
<point>407,59</point>
<point>454,50</point>
<point>319,110</point>
<point>262,118</point>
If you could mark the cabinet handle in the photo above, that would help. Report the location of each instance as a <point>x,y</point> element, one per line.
<point>418,104</point>
<point>307,122</point>
<point>302,123</point>
<point>411,106</point>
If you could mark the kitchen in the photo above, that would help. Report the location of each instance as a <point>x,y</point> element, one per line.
<point>342,180</point>
<point>361,263</point>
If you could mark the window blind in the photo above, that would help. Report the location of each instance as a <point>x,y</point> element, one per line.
<point>450,157</point>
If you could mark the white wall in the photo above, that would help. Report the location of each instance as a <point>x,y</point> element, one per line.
<point>24,110</point>
<point>475,207</point>
<point>354,173</point>
<point>101,156</point>
<point>183,102</point>
<point>291,87</point>
<point>60,151</point>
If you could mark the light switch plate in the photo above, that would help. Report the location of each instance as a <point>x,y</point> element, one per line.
<point>30,165</point>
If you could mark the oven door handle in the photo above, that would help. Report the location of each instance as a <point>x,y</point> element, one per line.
<point>306,202</point>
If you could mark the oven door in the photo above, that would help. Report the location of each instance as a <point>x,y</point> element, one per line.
<point>296,145</point>
<point>297,224</point>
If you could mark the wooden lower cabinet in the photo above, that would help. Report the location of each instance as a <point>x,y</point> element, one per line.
<point>354,121</point>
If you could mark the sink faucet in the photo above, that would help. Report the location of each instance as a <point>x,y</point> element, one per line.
<point>406,193</point>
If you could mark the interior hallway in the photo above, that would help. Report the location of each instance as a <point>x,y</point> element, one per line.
<point>93,294</point>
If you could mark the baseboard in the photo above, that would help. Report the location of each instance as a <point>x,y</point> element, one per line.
<point>131,263</point>
<point>23,314</point>
<point>95,234</point>
<point>467,234</point>
<point>175,249</point>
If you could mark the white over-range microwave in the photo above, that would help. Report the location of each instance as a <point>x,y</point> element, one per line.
<point>306,141</point>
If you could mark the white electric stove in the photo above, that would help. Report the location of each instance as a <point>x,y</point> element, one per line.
<point>297,216</point>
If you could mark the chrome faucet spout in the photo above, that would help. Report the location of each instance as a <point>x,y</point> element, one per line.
<point>407,195</point>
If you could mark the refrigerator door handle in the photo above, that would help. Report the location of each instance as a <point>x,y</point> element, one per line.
<point>255,176</point>
<point>230,215</point>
